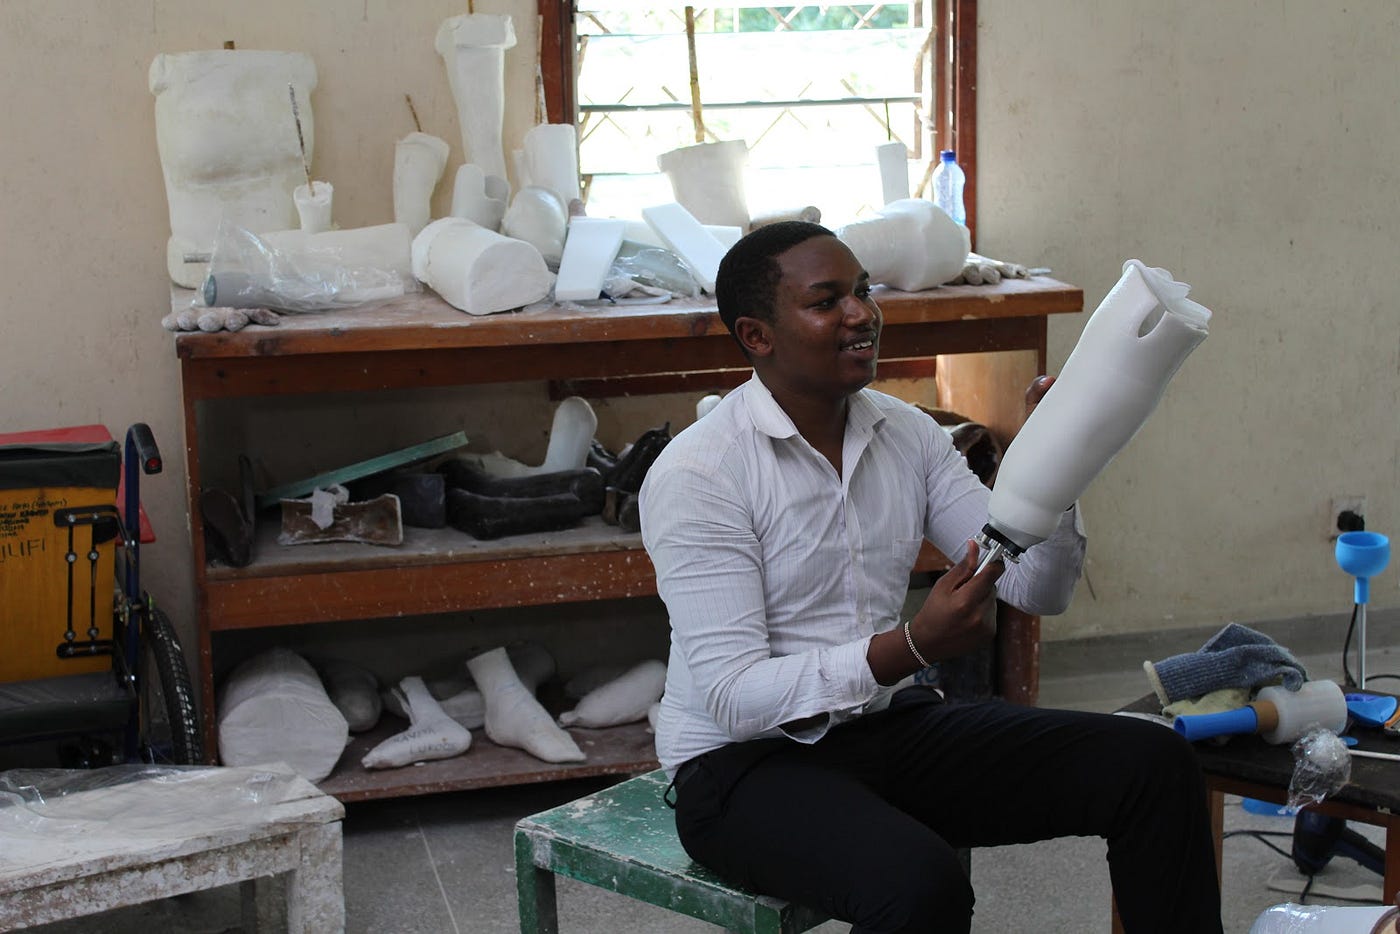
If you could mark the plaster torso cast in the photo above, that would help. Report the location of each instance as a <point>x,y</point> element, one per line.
<point>228,144</point>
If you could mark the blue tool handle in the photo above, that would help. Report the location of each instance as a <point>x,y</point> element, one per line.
<point>1242,720</point>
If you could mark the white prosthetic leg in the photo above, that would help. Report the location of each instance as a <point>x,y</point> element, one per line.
<point>433,734</point>
<point>513,717</point>
<point>1132,346</point>
<point>912,245</point>
<point>625,699</point>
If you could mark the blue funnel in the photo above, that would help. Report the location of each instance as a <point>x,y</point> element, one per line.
<point>1363,555</point>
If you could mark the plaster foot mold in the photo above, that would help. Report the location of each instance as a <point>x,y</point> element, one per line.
<point>480,198</point>
<point>433,734</point>
<point>513,717</point>
<point>624,699</point>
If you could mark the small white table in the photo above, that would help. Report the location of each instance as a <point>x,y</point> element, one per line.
<point>159,836</point>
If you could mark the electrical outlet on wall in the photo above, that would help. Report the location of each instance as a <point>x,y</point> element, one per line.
<point>1348,513</point>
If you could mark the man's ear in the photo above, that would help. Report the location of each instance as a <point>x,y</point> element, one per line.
<point>754,336</point>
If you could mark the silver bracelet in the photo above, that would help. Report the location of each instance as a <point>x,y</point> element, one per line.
<point>909,640</point>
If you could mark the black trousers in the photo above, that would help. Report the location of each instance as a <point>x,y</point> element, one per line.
<point>865,823</point>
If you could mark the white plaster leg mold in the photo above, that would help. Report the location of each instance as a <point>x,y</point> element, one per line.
<point>419,159</point>
<point>478,271</point>
<point>473,48</point>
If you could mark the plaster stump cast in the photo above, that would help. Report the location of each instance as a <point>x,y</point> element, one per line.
<point>419,160</point>
<point>478,271</point>
<point>708,180</point>
<point>228,145</point>
<point>912,245</point>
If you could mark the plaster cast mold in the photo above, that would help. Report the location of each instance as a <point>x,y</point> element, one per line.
<point>473,48</point>
<point>684,236</point>
<point>228,145</point>
<point>480,198</point>
<point>419,160</point>
<point>911,245</point>
<point>708,179</point>
<point>513,716</point>
<point>478,271</point>
<point>589,251</point>
<point>537,216</point>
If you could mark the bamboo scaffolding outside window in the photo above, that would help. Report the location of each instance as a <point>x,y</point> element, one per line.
<point>811,89</point>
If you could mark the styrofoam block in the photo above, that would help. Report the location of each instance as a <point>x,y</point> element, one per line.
<point>681,232</point>
<point>589,251</point>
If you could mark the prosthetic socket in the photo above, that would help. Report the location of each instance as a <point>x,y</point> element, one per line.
<point>1132,346</point>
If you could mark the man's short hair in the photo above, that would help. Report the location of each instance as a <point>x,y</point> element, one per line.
<point>747,283</point>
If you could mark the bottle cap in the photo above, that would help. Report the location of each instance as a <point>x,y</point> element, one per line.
<point>948,155</point>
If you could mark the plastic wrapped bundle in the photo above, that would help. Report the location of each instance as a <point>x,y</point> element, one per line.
<point>274,708</point>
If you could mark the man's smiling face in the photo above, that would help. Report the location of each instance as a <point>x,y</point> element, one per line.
<point>824,337</point>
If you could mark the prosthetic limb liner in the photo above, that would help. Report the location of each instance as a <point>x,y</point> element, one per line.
<point>1132,346</point>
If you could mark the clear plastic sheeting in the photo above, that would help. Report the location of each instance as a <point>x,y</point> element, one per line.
<point>1321,766</point>
<point>53,814</point>
<point>1325,919</point>
<point>247,271</point>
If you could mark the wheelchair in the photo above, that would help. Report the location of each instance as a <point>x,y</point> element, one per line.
<point>91,670</point>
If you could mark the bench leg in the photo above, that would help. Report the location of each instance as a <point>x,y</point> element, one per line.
<point>315,897</point>
<point>534,888</point>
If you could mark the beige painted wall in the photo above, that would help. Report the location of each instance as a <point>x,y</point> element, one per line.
<point>1248,147</point>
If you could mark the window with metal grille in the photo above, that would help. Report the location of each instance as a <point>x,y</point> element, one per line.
<point>810,89</point>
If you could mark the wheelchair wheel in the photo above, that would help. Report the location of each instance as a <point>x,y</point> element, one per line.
<point>169,723</point>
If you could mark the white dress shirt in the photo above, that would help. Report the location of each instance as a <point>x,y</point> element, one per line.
<point>776,572</point>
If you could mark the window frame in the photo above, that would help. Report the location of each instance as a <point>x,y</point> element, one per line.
<point>955,97</point>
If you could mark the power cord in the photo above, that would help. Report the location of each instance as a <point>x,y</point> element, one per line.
<point>1262,836</point>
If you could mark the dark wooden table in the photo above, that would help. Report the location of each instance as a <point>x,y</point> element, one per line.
<point>1249,767</point>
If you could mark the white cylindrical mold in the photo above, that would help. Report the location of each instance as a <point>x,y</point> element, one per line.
<point>1131,347</point>
<point>551,159</point>
<point>893,161</point>
<point>708,181</point>
<point>419,159</point>
<point>478,271</point>
<point>314,206</point>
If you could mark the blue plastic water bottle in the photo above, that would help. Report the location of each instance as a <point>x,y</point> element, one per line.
<point>948,180</point>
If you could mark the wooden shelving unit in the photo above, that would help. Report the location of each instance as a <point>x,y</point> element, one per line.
<point>988,341</point>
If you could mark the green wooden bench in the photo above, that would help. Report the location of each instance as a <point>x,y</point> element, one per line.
<point>623,839</point>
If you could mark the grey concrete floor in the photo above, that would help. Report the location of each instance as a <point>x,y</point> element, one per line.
<point>443,863</point>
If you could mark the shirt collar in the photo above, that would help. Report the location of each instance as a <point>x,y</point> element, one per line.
<point>863,416</point>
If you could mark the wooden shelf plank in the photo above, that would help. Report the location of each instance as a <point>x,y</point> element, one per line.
<point>619,750</point>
